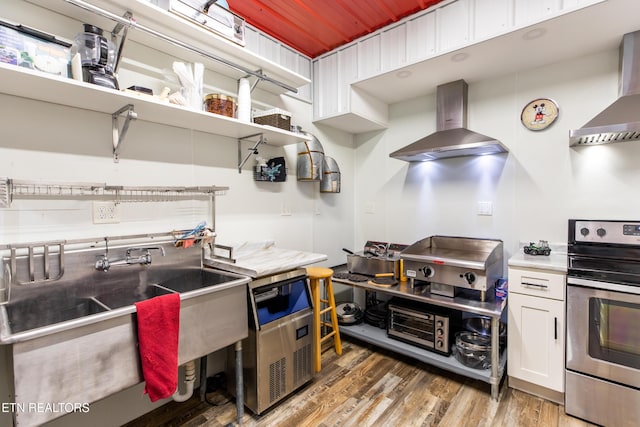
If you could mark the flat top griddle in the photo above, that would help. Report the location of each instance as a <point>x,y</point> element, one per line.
<point>457,251</point>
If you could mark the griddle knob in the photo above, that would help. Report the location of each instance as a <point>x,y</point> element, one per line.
<point>470,277</point>
<point>584,231</point>
<point>601,232</point>
<point>427,271</point>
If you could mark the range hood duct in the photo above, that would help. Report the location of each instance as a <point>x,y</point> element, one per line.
<point>452,138</point>
<point>621,120</point>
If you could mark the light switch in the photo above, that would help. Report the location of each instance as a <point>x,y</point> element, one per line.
<point>485,208</point>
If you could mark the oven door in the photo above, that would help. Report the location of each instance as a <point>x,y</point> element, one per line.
<point>603,337</point>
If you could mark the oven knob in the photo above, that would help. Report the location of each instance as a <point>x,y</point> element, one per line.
<point>440,332</point>
<point>601,232</point>
<point>584,231</point>
<point>469,277</point>
<point>439,343</point>
<point>439,323</point>
<point>428,271</point>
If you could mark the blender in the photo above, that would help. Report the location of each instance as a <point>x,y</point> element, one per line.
<point>97,55</point>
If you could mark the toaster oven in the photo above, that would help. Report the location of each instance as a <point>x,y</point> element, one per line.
<point>423,325</point>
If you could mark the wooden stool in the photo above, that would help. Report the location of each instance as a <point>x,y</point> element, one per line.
<point>316,275</point>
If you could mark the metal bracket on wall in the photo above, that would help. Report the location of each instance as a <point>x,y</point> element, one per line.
<point>252,151</point>
<point>255,83</point>
<point>120,26</point>
<point>118,135</point>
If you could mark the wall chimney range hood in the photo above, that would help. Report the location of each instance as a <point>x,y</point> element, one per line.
<point>452,138</point>
<point>621,120</point>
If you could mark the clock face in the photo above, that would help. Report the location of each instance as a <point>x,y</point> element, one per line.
<point>539,114</point>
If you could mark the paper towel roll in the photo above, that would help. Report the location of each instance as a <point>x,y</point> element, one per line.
<point>244,100</point>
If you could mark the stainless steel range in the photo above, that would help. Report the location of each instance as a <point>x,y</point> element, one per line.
<point>448,263</point>
<point>603,322</point>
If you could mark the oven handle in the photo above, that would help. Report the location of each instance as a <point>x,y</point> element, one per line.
<point>595,284</point>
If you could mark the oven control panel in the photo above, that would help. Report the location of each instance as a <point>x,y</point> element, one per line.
<point>612,232</point>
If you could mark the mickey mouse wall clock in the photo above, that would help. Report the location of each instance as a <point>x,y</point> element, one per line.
<point>539,114</point>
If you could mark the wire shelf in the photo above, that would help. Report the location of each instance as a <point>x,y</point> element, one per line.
<point>11,189</point>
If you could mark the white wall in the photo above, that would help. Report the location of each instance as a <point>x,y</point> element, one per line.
<point>55,143</point>
<point>535,189</point>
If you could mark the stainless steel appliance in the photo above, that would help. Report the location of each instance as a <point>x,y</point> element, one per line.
<point>425,325</point>
<point>376,258</point>
<point>452,138</point>
<point>278,354</point>
<point>448,263</point>
<point>603,322</point>
<point>619,121</point>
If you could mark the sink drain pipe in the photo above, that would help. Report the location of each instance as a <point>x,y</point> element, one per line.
<point>189,380</point>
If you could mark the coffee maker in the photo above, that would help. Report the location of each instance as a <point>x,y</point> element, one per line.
<point>97,55</point>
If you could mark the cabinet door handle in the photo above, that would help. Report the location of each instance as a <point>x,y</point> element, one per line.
<point>555,328</point>
<point>537,285</point>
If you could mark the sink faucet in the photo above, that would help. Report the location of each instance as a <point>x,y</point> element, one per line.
<point>104,263</point>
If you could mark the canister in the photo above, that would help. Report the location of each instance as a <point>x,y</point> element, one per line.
<point>218,103</point>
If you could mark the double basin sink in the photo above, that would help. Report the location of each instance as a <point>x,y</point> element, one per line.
<point>75,339</point>
<point>56,306</point>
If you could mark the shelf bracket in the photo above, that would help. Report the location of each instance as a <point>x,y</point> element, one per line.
<point>252,151</point>
<point>120,26</point>
<point>118,135</point>
<point>255,83</point>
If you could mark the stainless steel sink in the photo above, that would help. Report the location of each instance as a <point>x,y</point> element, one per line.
<point>86,322</point>
<point>119,298</point>
<point>195,279</point>
<point>36,313</point>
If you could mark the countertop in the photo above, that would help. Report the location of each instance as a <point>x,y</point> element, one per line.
<point>258,259</point>
<point>557,261</point>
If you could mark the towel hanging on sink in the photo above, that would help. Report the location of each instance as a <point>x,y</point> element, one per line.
<point>158,330</point>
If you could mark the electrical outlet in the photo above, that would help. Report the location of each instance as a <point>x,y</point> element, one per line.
<point>370,208</point>
<point>285,209</point>
<point>106,213</point>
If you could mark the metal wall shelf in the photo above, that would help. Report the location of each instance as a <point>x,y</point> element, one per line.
<point>11,189</point>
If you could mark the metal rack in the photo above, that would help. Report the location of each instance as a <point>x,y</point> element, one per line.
<point>11,189</point>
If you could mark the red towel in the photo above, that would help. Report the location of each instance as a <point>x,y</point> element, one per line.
<point>158,328</point>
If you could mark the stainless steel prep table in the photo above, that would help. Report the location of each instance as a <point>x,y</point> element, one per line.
<point>492,308</point>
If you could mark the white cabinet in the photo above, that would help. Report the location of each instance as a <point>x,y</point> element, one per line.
<point>393,48</point>
<point>421,37</point>
<point>369,56</point>
<point>491,17</point>
<point>536,332</point>
<point>336,102</point>
<point>453,25</point>
<point>348,73</point>
<point>326,84</point>
<point>271,49</point>
<point>527,11</point>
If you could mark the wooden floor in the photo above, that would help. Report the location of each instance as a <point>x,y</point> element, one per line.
<point>368,386</point>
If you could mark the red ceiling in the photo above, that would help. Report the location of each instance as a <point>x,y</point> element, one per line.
<point>314,27</point>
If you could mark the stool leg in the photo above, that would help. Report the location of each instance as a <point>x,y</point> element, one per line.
<point>315,291</point>
<point>334,316</point>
